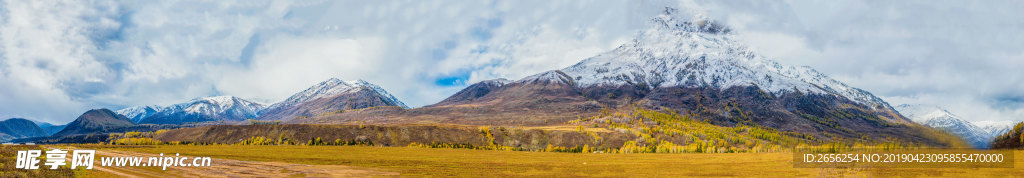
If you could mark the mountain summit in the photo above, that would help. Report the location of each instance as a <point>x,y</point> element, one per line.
<point>332,95</point>
<point>137,113</point>
<point>95,121</point>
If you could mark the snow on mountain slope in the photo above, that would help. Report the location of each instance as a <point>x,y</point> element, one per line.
<point>998,128</point>
<point>697,52</point>
<point>381,91</point>
<point>332,95</point>
<point>137,113</point>
<point>197,110</point>
<point>939,118</point>
<point>496,82</point>
<point>218,105</point>
<point>229,108</point>
<point>332,87</point>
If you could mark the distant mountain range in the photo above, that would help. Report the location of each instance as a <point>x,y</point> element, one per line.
<point>218,108</point>
<point>15,128</point>
<point>332,95</point>
<point>50,129</point>
<point>92,126</point>
<point>939,118</point>
<point>999,127</point>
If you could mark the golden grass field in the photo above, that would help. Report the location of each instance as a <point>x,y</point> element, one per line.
<point>370,161</point>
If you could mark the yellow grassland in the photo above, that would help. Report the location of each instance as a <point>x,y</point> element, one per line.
<point>462,162</point>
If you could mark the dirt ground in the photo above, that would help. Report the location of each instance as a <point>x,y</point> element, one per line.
<point>235,168</point>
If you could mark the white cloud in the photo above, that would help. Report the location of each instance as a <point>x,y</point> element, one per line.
<point>289,64</point>
<point>525,53</point>
<point>45,48</point>
<point>73,57</point>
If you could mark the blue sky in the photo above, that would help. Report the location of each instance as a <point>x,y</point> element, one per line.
<point>59,59</point>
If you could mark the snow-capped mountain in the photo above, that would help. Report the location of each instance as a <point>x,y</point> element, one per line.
<point>217,108</point>
<point>332,87</point>
<point>697,52</point>
<point>327,96</point>
<point>137,113</point>
<point>331,95</point>
<point>689,65</point>
<point>997,129</point>
<point>1010,139</point>
<point>496,82</point>
<point>935,117</point>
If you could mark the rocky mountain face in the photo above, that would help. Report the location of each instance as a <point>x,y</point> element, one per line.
<point>332,95</point>
<point>939,118</point>
<point>15,128</point>
<point>95,121</point>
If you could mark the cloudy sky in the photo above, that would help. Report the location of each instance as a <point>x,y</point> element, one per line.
<point>59,59</point>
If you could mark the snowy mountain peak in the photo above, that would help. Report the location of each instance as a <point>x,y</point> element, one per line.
<point>332,87</point>
<point>549,76</point>
<point>137,113</point>
<point>671,19</point>
<point>939,118</point>
<point>924,113</point>
<point>997,128</point>
<point>196,110</point>
<point>380,91</point>
<point>697,52</point>
<point>218,99</point>
<point>219,104</point>
<point>497,82</point>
